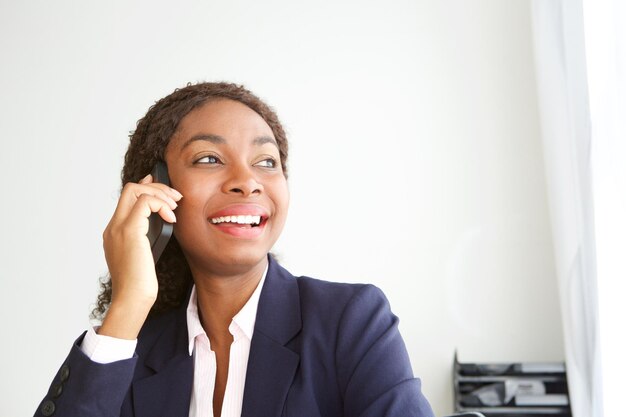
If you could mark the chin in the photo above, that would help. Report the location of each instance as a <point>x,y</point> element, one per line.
<point>227,262</point>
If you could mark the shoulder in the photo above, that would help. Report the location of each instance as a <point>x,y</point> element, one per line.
<point>315,294</point>
<point>327,295</point>
<point>343,310</point>
<point>325,300</point>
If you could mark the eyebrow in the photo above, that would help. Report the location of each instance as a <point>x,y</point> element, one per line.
<point>218,140</point>
<point>215,139</point>
<point>262,140</point>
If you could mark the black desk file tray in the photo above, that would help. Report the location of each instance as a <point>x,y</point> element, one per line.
<point>511,389</point>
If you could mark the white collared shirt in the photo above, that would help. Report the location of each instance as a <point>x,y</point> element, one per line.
<point>105,349</point>
<point>205,366</point>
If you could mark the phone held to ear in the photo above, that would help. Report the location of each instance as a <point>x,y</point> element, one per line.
<point>160,231</point>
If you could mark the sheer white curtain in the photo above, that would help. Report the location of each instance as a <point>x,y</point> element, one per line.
<point>605,36</point>
<point>580,52</point>
<point>564,105</point>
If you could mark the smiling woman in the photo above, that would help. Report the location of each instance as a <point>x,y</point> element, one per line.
<point>217,327</point>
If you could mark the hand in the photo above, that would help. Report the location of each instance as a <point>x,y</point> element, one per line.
<point>129,257</point>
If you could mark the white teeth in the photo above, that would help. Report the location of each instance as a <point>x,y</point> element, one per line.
<point>242,219</point>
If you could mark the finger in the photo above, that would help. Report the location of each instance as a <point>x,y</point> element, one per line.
<point>132,192</point>
<point>160,193</point>
<point>136,222</point>
<point>145,206</point>
<point>148,180</point>
<point>155,189</point>
<point>167,189</point>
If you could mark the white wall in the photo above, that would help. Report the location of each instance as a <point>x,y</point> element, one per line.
<point>415,162</point>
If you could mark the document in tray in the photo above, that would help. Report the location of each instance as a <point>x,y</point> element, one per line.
<point>545,400</point>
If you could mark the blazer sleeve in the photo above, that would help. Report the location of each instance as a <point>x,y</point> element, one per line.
<point>82,387</point>
<point>374,371</point>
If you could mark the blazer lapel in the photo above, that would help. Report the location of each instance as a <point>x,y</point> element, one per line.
<point>168,391</point>
<point>271,365</point>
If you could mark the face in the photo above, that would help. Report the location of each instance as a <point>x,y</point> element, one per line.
<point>225,162</point>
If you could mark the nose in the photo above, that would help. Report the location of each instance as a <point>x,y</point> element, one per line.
<point>242,181</point>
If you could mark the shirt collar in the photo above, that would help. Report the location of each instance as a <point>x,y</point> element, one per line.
<point>244,320</point>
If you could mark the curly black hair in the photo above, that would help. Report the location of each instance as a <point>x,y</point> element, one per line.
<point>147,146</point>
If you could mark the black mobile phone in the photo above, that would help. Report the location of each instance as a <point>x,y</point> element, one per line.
<point>160,231</point>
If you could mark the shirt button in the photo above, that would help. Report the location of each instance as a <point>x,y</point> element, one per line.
<point>56,390</point>
<point>65,373</point>
<point>47,408</point>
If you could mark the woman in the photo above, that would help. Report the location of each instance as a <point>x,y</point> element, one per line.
<point>218,327</point>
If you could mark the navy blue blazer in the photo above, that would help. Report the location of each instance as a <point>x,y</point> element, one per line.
<point>319,349</point>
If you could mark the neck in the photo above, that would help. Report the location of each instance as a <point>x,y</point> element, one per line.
<point>221,297</point>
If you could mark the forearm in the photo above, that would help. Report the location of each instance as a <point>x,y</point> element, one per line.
<point>83,387</point>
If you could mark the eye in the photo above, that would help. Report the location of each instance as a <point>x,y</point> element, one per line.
<point>267,163</point>
<point>209,160</point>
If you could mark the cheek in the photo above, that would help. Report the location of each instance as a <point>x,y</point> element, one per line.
<point>281,198</point>
<point>188,220</point>
<point>192,206</point>
<point>285,193</point>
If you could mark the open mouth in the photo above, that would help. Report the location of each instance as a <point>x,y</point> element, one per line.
<point>247,221</point>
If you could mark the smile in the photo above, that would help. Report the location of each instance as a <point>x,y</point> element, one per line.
<point>241,219</point>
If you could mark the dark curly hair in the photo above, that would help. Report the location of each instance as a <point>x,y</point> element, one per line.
<point>147,146</point>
